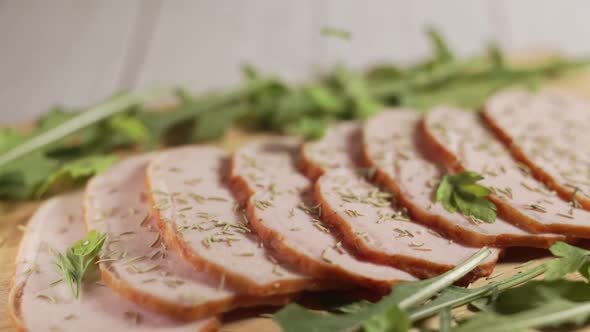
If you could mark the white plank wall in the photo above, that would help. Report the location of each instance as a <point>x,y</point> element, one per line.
<point>76,52</point>
<point>61,51</point>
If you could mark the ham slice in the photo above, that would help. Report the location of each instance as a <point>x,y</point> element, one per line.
<point>204,221</point>
<point>461,141</point>
<point>366,217</point>
<point>137,264</point>
<point>39,301</point>
<point>548,132</point>
<point>282,212</point>
<point>340,147</point>
<point>391,146</point>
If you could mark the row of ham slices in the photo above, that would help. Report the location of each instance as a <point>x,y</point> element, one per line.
<point>194,232</point>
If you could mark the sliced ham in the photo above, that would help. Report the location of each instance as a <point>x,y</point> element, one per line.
<point>391,146</point>
<point>548,132</point>
<point>462,141</point>
<point>197,212</point>
<point>281,210</point>
<point>135,261</point>
<point>340,147</point>
<point>367,220</point>
<point>366,217</point>
<point>39,301</point>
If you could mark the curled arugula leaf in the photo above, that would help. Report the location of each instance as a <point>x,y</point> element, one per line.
<point>533,305</point>
<point>77,259</point>
<point>76,172</point>
<point>338,33</point>
<point>572,259</point>
<point>261,102</point>
<point>389,314</point>
<point>460,192</point>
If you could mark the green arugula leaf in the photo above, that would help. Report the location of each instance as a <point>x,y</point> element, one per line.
<point>460,192</point>
<point>78,258</point>
<point>454,296</point>
<point>385,315</point>
<point>130,127</point>
<point>76,172</point>
<point>338,33</point>
<point>324,98</point>
<point>214,124</point>
<point>80,121</point>
<point>268,103</point>
<point>533,305</point>
<point>446,320</point>
<point>310,128</point>
<point>573,259</point>
<point>442,52</point>
<point>393,319</point>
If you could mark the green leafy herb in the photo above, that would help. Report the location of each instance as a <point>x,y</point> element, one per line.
<point>533,305</point>
<point>446,320</point>
<point>460,192</point>
<point>573,259</point>
<point>260,102</point>
<point>338,33</point>
<point>76,172</point>
<point>78,258</point>
<point>453,296</point>
<point>80,121</point>
<point>389,314</point>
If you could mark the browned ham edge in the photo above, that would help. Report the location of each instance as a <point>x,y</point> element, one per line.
<point>562,219</point>
<point>368,220</point>
<point>275,162</point>
<point>38,303</point>
<point>497,106</point>
<point>116,203</point>
<point>252,274</point>
<point>415,189</point>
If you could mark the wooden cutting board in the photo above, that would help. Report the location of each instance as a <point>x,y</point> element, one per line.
<point>13,216</point>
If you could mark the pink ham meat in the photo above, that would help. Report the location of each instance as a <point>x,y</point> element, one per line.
<point>39,301</point>
<point>366,217</point>
<point>548,132</point>
<point>391,146</point>
<point>137,264</point>
<point>367,220</point>
<point>281,211</point>
<point>341,147</point>
<point>204,221</point>
<point>462,141</point>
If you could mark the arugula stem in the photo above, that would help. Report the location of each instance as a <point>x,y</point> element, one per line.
<point>553,319</point>
<point>446,320</point>
<point>84,119</point>
<point>421,313</point>
<point>446,279</point>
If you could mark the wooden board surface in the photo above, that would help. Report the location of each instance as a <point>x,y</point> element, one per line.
<point>13,217</point>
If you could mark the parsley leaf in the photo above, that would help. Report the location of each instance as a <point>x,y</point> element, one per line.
<point>74,264</point>
<point>460,192</point>
<point>573,259</point>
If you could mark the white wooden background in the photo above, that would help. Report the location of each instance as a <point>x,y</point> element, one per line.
<point>77,52</point>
